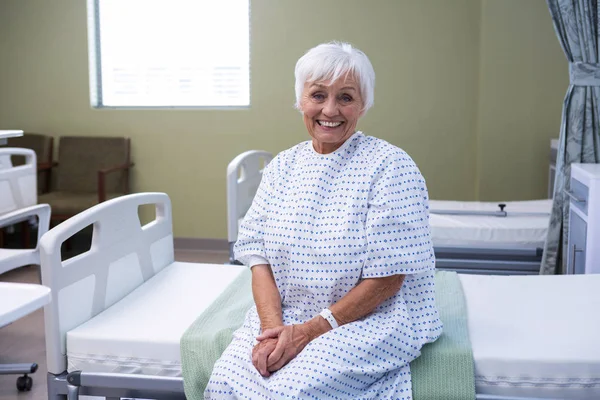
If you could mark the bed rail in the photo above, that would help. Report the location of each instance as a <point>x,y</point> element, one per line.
<point>489,260</point>
<point>244,174</point>
<point>19,182</point>
<point>123,255</point>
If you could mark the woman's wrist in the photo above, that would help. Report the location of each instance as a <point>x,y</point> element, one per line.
<point>269,324</point>
<point>316,327</point>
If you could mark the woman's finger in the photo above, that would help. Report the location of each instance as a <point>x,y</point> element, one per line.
<point>269,333</point>
<point>285,358</point>
<point>261,363</point>
<point>277,353</point>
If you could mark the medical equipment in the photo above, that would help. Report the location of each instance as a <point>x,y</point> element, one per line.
<point>119,310</point>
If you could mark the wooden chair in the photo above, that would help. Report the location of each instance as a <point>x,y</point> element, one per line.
<point>89,171</point>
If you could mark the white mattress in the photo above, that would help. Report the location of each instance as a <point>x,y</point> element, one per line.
<point>535,336</point>
<point>140,334</point>
<point>517,231</point>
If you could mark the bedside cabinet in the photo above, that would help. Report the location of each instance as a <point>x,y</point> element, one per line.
<point>583,256</point>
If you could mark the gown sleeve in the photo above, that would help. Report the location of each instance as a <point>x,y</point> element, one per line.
<point>249,248</point>
<point>397,223</point>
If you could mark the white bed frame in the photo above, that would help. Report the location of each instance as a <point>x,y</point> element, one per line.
<point>80,287</point>
<point>244,173</point>
<point>18,184</point>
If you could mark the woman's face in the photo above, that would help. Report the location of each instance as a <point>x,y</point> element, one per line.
<point>331,111</point>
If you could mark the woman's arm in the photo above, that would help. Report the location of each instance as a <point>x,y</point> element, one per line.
<point>363,299</point>
<point>266,297</point>
<point>357,303</point>
<point>268,305</point>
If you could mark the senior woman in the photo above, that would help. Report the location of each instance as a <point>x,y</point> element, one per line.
<point>339,246</point>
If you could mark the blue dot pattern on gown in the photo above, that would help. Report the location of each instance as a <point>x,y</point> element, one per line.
<point>324,222</point>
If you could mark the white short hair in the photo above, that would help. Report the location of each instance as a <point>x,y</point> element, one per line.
<point>329,61</point>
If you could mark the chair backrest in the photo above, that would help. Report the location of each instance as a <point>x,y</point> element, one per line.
<point>18,184</point>
<point>43,145</point>
<point>80,158</point>
<point>244,174</point>
<point>123,255</point>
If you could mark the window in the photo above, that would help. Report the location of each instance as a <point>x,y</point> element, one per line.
<point>169,53</point>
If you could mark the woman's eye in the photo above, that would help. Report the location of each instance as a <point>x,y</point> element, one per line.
<point>346,98</point>
<point>318,96</point>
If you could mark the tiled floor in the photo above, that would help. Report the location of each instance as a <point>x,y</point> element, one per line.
<point>23,341</point>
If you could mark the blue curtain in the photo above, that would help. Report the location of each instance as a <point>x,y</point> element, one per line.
<point>576,25</point>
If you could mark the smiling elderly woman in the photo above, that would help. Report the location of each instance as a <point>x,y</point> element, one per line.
<point>340,249</point>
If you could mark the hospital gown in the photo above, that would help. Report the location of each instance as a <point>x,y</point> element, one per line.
<point>324,222</point>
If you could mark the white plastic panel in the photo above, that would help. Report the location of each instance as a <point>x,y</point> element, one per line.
<point>162,253</point>
<point>28,188</point>
<point>124,275</point>
<point>7,198</point>
<point>76,300</point>
<point>244,174</point>
<point>18,185</point>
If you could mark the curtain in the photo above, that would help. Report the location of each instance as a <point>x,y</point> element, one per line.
<point>576,25</point>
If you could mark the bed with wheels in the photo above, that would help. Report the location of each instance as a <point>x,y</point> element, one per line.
<point>503,238</point>
<point>118,313</point>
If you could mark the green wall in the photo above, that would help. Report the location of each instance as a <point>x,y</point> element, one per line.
<point>523,79</point>
<point>465,86</point>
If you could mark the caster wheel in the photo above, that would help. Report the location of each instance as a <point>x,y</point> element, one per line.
<point>24,383</point>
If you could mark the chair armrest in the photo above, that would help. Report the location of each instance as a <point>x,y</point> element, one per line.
<point>46,166</point>
<point>41,210</point>
<point>102,179</point>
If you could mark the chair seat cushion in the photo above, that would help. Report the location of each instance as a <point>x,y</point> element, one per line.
<point>68,203</point>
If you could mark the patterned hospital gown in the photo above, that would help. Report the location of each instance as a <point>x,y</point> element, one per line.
<point>324,222</point>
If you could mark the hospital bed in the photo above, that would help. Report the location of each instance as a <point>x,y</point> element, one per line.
<point>489,237</point>
<point>471,237</point>
<point>119,310</point>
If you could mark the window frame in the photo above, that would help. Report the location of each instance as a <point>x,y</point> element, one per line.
<point>95,69</point>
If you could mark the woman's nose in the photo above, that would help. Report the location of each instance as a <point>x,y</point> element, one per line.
<point>330,107</point>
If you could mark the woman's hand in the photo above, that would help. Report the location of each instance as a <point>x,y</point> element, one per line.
<point>260,354</point>
<point>291,339</point>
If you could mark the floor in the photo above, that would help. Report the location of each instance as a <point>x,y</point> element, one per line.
<point>23,341</point>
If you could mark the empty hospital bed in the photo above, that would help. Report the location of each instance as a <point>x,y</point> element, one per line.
<point>471,237</point>
<point>119,310</point>
<point>490,237</point>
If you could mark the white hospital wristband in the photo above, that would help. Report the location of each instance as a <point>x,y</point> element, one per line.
<point>326,313</point>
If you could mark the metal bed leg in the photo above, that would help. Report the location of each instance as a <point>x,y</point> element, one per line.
<point>73,385</point>
<point>57,386</point>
